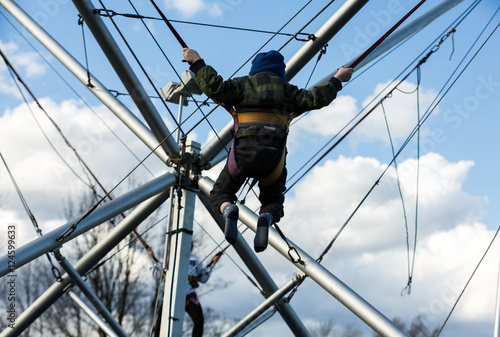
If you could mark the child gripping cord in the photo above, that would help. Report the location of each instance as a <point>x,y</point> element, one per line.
<point>264,104</point>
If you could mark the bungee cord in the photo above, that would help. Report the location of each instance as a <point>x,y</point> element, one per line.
<point>75,152</point>
<point>439,97</point>
<point>55,271</point>
<point>451,28</point>
<point>455,24</point>
<point>77,94</point>
<point>139,63</point>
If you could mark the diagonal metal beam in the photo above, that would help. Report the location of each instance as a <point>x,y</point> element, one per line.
<point>88,310</point>
<point>401,34</point>
<point>99,251</point>
<point>48,242</point>
<point>87,291</point>
<point>127,76</point>
<point>98,89</point>
<point>260,273</point>
<point>331,27</point>
<point>319,274</point>
<point>270,301</point>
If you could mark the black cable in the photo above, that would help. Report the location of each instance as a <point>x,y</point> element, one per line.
<point>89,183</point>
<point>132,240</point>
<point>108,13</point>
<point>251,57</point>
<point>467,283</point>
<point>80,22</point>
<point>143,70</point>
<point>198,106</point>
<point>55,271</point>
<point>461,17</point>
<point>429,111</point>
<point>311,36</point>
<point>76,93</point>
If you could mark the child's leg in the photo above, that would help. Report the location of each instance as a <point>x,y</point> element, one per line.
<point>272,200</point>
<point>224,190</point>
<point>222,198</point>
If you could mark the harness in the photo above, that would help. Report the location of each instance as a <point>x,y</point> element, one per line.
<point>257,117</point>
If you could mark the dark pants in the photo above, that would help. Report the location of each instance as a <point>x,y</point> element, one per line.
<point>193,308</point>
<point>255,162</point>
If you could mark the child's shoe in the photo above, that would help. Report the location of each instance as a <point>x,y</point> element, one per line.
<point>230,213</point>
<point>261,235</point>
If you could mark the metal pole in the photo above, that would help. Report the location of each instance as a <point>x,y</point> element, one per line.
<point>179,117</point>
<point>174,298</point>
<point>98,89</point>
<point>127,76</point>
<point>95,317</point>
<point>322,36</point>
<point>496,332</point>
<point>260,273</point>
<point>218,144</point>
<point>293,66</point>
<point>401,34</point>
<point>48,242</point>
<point>87,291</point>
<point>319,274</point>
<point>264,317</point>
<point>83,266</point>
<point>271,300</point>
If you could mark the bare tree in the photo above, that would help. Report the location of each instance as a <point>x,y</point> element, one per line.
<point>323,329</point>
<point>328,328</point>
<point>121,281</point>
<point>417,327</point>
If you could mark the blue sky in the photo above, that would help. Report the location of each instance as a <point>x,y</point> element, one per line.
<point>458,193</point>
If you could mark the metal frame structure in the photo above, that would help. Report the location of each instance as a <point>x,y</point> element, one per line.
<point>186,180</point>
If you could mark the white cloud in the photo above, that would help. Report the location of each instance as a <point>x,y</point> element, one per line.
<point>29,61</point>
<point>327,121</point>
<point>41,173</point>
<point>370,255</point>
<point>189,8</point>
<point>401,112</point>
<point>400,108</point>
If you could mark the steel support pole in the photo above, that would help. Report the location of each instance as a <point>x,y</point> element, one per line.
<point>91,313</point>
<point>259,272</point>
<point>345,13</point>
<point>271,300</point>
<point>264,317</point>
<point>83,266</point>
<point>98,89</point>
<point>87,291</point>
<point>48,242</point>
<point>401,34</point>
<point>218,144</point>
<point>293,66</point>
<point>174,298</point>
<point>127,76</point>
<point>320,275</point>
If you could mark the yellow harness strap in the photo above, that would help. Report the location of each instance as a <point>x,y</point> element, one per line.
<point>276,173</point>
<point>263,117</point>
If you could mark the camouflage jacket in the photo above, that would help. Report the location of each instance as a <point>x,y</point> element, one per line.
<point>263,92</point>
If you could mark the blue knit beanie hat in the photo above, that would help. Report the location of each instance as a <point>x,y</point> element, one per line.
<point>272,61</point>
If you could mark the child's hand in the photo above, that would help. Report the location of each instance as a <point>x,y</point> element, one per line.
<point>344,74</point>
<point>190,55</point>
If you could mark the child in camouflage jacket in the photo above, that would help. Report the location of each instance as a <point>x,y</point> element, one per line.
<point>264,104</point>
